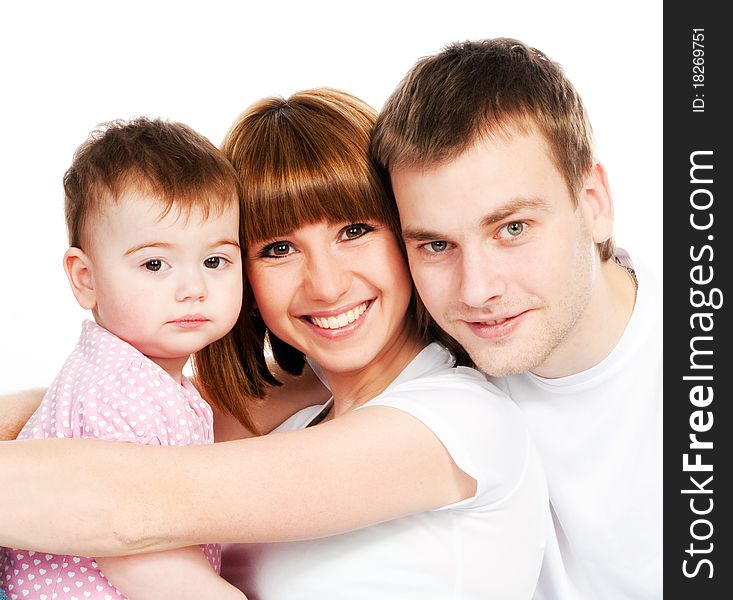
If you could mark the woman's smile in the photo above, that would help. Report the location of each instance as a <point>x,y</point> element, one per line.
<point>338,318</point>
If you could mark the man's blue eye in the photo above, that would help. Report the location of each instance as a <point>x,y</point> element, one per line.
<point>515,228</point>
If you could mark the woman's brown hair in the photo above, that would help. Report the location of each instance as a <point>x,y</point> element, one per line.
<point>303,160</point>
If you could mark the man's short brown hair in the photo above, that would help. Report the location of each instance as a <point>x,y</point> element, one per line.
<point>478,89</point>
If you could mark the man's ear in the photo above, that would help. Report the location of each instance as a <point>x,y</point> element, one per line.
<point>597,203</point>
<point>78,269</point>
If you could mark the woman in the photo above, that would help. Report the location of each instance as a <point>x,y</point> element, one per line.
<point>415,480</point>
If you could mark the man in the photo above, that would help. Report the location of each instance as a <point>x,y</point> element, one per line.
<point>507,221</point>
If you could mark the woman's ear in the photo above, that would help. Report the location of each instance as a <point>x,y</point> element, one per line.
<point>597,202</point>
<point>78,269</point>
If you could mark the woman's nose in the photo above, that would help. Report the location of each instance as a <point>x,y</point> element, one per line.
<point>327,278</point>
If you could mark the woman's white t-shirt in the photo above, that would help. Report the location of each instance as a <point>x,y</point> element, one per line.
<point>487,546</point>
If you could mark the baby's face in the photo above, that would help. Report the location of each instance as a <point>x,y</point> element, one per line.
<point>168,285</point>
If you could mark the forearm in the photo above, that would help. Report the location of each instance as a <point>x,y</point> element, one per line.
<point>68,496</point>
<point>184,574</point>
<point>108,498</point>
<point>16,409</point>
<point>94,498</point>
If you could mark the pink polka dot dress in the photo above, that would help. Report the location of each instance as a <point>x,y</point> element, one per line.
<point>106,390</point>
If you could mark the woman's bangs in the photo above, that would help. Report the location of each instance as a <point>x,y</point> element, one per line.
<point>275,210</point>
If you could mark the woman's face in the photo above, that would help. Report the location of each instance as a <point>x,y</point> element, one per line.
<point>336,291</point>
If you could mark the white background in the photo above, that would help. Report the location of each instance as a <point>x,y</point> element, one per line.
<point>67,66</point>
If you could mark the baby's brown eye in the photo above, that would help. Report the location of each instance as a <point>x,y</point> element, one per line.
<point>154,264</point>
<point>213,262</point>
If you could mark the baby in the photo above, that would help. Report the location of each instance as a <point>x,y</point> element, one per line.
<point>152,211</point>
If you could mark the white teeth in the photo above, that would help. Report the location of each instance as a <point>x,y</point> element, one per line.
<point>339,320</point>
<point>497,322</point>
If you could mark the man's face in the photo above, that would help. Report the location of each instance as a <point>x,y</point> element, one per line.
<point>500,255</point>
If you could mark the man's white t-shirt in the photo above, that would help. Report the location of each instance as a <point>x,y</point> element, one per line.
<point>599,434</point>
<point>489,546</point>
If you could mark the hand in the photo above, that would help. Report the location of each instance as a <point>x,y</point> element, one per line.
<point>16,408</point>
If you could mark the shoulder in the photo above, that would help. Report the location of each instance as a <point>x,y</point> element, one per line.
<point>649,282</point>
<point>482,429</point>
<point>139,402</point>
<point>461,402</point>
<point>134,378</point>
<point>455,394</point>
<point>100,357</point>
